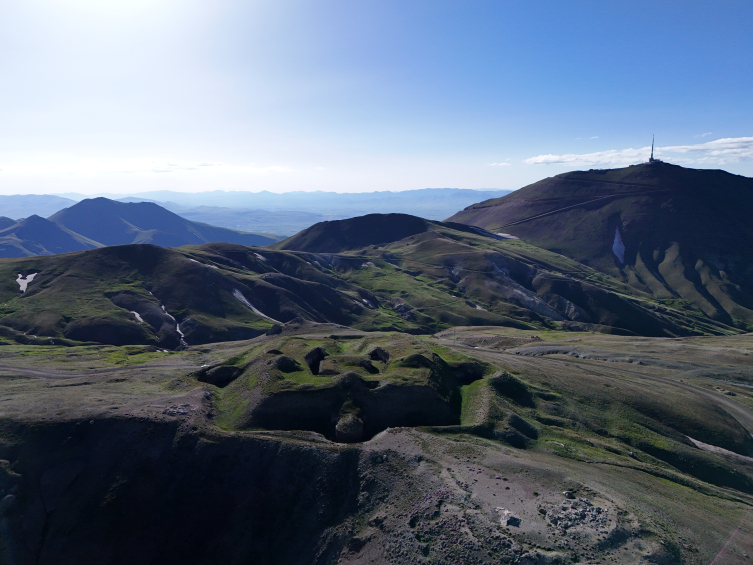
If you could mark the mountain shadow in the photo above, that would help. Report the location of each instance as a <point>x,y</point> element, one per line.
<point>118,223</point>
<point>37,236</point>
<point>681,235</point>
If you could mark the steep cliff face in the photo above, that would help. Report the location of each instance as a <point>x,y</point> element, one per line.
<point>119,490</point>
<point>491,445</point>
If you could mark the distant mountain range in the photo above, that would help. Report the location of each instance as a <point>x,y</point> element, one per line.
<point>684,236</point>
<point>429,203</point>
<point>100,222</point>
<point>267,212</point>
<point>18,206</point>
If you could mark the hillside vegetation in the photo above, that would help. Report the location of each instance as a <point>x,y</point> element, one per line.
<point>478,444</point>
<point>445,275</point>
<point>681,235</point>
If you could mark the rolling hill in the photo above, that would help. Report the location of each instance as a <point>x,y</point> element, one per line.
<point>119,223</point>
<point>445,275</point>
<point>402,390</point>
<point>100,222</point>
<point>37,236</point>
<point>681,235</point>
<point>6,222</point>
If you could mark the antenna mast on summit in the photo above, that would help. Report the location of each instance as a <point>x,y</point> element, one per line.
<point>651,160</point>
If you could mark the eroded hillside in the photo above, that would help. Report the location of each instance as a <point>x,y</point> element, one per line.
<point>444,276</point>
<point>325,444</point>
<point>680,235</point>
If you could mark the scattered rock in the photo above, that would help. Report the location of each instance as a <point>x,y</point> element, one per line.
<point>572,513</point>
<point>286,364</point>
<point>349,429</point>
<point>178,410</point>
<point>275,329</point>
<point>220,376</point>
<point>405,311</point>
<point>369,366</point>
<point>379,354</point>
<point>507,518</point>
<point>313,359</point>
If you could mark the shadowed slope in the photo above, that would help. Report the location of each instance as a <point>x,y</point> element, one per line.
<point>37,236</point>
<point>118,223</point>
<point>445,268</point>
<point>682,235</point>
<point>355,233</point>
<point>148,294</point>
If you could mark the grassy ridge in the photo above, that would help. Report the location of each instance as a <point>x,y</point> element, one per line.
<point>447,275</point>
<point>686,232</point>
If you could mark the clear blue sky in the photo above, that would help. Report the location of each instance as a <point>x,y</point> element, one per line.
<point>133,95</point>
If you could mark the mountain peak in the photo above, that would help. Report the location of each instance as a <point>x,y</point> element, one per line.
<point>669,231</point>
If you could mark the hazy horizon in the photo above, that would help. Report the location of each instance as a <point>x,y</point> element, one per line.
<point>137,96</point>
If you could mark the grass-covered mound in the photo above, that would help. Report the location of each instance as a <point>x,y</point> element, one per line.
<point>490,444</point>
<point>347,386</point>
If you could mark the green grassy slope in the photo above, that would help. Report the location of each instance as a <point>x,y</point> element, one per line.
<point>686,233</point>
<point>449,272</point>
<point>216,292</point>
<point>605,448</point>
<point>445,276</point>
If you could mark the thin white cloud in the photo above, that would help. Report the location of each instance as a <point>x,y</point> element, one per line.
<point>704,134</point>
<point>718,152</point>
<point>498,165</point>
<point>727,149</point>
<point>57,166</point>
<point>611,157</point>
<point>594,137</point>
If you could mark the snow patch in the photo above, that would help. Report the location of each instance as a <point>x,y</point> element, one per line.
<point>200,263</point>
<point>618,248</point>
<point>243,300</point>
<point>139,319</point>
<point>23,282</point>
<point>261,257</point>
<point>498,236</point>
<point>177,325</point>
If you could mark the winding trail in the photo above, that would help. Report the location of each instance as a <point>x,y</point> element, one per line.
<point>731,537</point>
<point>741,413</point>
<point>4,369</point>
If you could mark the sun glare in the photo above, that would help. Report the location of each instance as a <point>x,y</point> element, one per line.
<point>114,8</point>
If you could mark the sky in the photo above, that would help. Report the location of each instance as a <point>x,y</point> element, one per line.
<point>127,96</point>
